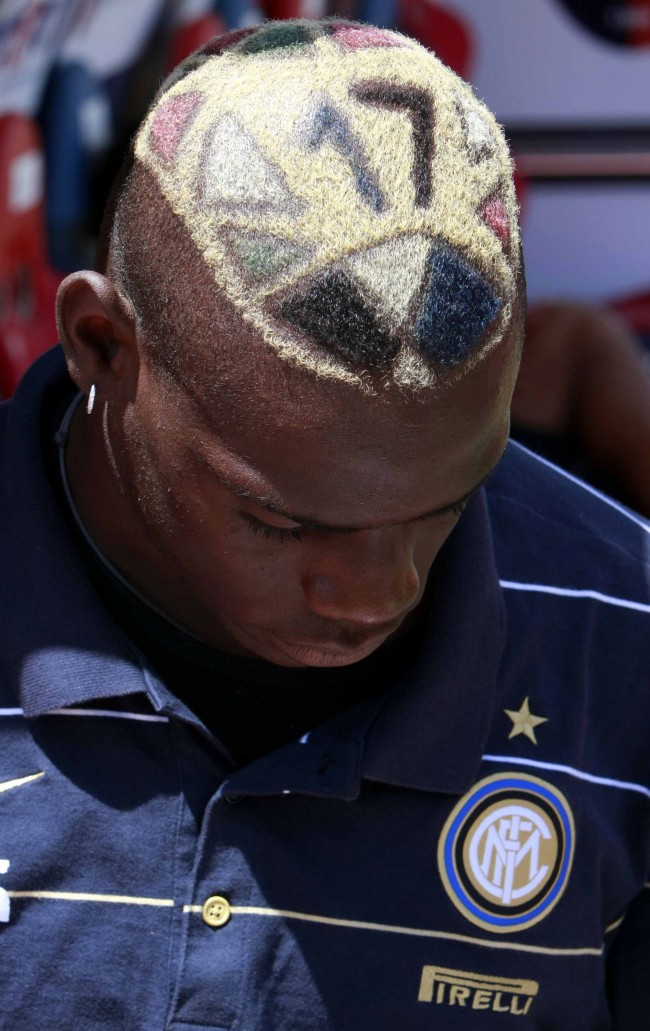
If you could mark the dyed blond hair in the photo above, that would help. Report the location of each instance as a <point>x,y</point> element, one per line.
<point>350,196</point>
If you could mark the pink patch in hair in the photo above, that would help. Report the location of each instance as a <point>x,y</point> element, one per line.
<point>170,122</point>
<point>218,44</point>
<point>493,212</point>
<point>355,37</point>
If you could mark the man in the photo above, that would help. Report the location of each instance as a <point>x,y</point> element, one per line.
<point>305,724</point>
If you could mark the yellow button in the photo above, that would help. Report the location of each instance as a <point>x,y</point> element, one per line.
<point>216,911</point>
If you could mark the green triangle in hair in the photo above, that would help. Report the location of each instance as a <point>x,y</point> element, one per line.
<point>264,256</point>
<point>276,36</point>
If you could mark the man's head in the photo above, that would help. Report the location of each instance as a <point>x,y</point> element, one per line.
<point>307,338</point>
<point>350,196</point>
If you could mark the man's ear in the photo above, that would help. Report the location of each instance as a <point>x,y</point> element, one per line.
<point>97,330</point>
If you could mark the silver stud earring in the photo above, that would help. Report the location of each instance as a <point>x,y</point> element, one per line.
<point>90,404</point>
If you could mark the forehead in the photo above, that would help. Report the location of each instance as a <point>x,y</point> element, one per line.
<point>350,163</point>
<point>328,452</point>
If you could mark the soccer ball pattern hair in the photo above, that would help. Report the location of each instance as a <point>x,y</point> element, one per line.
<point>350,195</point>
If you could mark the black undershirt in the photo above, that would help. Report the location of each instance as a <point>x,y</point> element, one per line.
<point>251,706</point>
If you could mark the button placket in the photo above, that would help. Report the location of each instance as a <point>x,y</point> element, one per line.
<point>214,955</point>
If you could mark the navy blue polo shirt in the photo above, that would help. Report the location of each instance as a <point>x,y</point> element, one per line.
<point>468,850</point>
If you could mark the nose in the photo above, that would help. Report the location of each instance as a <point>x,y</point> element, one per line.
<point>367,579</point>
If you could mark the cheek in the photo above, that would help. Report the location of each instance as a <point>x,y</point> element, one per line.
<point>225,560</point>
<point>164,484</point>
<point>143,446</point>
<point>246,585</point>
<point>429,538</point>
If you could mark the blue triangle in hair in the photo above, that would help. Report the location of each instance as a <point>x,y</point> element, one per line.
<point>457,307</point>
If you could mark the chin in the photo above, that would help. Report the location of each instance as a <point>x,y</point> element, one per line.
<point>297,654</point>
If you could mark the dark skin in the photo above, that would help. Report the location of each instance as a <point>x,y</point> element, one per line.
<point>273,515</point>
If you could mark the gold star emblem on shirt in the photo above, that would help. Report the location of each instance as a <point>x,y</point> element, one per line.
<point>523,722</point>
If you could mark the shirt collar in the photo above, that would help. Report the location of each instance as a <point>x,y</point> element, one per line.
<point>431,732</point>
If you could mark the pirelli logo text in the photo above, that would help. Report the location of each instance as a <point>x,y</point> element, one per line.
<point>446,987</point>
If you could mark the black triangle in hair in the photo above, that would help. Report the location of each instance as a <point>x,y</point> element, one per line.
<point>335,315</point>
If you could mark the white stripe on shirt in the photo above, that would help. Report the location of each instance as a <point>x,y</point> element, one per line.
<point>608,782</point>
<point>110,713</point>
<point>571,592</point>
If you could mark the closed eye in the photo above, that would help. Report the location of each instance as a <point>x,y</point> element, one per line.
<point>281,534</point>
<point>285,534</point>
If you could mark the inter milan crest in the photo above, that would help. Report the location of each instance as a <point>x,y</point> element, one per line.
<point>506,850</point>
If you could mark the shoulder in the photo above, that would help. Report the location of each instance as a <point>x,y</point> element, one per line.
<point>573,568</point>
<point>550,528</point>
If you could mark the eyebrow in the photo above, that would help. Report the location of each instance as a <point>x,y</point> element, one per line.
<point>265,502</point>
